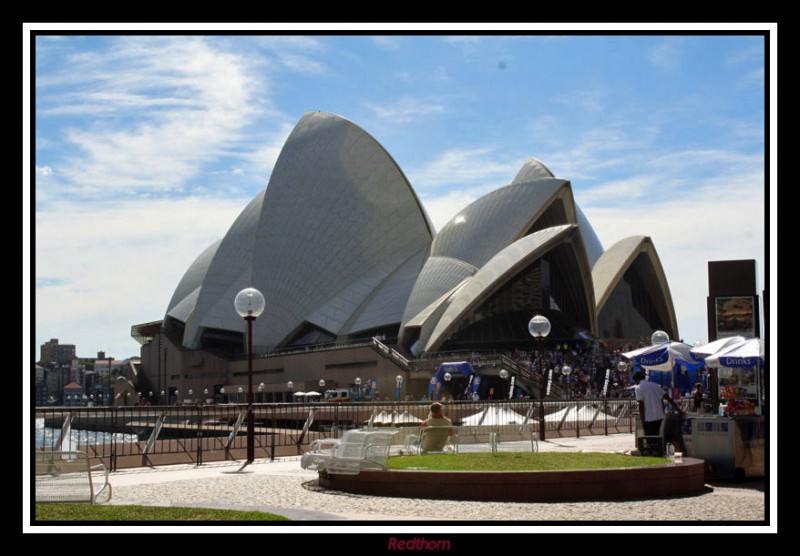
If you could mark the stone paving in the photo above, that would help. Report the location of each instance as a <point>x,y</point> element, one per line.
<point>283,487</point>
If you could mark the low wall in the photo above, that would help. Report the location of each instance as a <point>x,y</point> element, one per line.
<point>528,486</point>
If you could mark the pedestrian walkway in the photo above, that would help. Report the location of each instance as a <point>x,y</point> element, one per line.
<point>284,488</point>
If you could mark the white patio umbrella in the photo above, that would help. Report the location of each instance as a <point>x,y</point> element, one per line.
<point>749,353</point>
<point>312,393</point>
<point>406,418</point>
<point>706,350</point>
<point>586,414</point>
<point>662,357</point>
<point>383,418</point>
<point>495,416</point>
<point>299,394</point>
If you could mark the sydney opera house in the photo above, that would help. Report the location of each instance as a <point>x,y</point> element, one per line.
<point>343,252</point>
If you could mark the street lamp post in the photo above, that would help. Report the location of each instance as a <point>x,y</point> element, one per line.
<point>622,366</point>
<point>447,378</point>
<point>358,388</point>
<point>566,370</point>
<point>290,386</point>
<point>539,328</point>
<point>250,303</point>
<point>261,391</point>
<point>398,382</point>
<point>504,375</point>
<point>109,381</point>
<point>322,388</point>
<point>659,337</point>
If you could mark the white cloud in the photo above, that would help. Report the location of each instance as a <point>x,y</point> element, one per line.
<point>668,53</point>
<point>754,78</point>
<point>386,43</point>
<point>614,192</point>
<point>592,101</point>
<point>748,54</point>
<point>722,218</point>
<point>103,267</point>
<point>406,110</point>
<point>464,168</point>
<point>44,170</point>
<point>302,64</point>
<point>463,39</point>
<point>180,101</point>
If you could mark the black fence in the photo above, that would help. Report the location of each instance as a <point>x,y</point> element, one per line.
<point>138,436</point>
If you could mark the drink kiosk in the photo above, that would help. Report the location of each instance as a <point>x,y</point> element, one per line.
<point>730,438</point>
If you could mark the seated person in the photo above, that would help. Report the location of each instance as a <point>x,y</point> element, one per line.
<point>435,438</point>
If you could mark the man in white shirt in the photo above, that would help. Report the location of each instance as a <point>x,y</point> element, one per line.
<point>651,404</point>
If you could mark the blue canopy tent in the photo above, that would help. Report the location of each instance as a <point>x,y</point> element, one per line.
<point>453,367</point>
<point>670,364</point>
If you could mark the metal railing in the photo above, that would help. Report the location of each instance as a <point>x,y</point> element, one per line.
<point>122,437</point>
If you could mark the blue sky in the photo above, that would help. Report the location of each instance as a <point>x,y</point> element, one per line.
<point>147,147</point>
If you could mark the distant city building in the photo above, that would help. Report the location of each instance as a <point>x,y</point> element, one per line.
<point>343,251</point>
<point>52,351</point>
<point>73,394</point>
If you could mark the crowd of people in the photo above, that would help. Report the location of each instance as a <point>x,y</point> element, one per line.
<point>587,363</point>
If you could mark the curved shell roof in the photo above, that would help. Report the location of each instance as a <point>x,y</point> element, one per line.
<point>335,240</point>
<point>339,241</point>
<point>611,267</point>
<point>533,169</point>
<point>499,218</point>
<point>496,272</point>
<point>481,230</point>
<point>192,280</point>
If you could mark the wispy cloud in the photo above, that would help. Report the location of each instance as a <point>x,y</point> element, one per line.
<point>713,223</point>
<point>747,54</point>
<point>585,100</point>
<point>464,168</point>
<point>80,267</point>
<point>386,43</point>
<point>463,39</point>
<point>406,109</point>
<point>44,170</point>
<point>667,54</point>
<point>302,64</point>
<point>176,103</point>
<point>754,78</point>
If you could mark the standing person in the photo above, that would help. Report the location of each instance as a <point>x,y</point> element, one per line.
<point>697,396</point>
<point>651,404</point>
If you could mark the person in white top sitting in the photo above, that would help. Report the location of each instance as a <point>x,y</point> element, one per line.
<point>435,439</point>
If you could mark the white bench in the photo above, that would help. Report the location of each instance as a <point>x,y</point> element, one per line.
<point>515,433</point>
<point>68,477</point>
<point>358,449</point>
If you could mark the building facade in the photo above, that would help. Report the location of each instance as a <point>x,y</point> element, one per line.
<point>344,252</point>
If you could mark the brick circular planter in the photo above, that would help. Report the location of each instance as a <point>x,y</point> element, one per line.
<point>654,481</point>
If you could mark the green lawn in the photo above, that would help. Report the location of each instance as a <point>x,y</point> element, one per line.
<point>89,512</point>
<point>519,461</point>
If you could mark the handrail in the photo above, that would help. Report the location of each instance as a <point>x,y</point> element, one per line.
<point>137,436</point>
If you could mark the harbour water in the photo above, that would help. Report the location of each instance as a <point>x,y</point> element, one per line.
<point>47,437</point>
